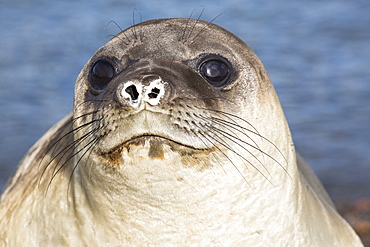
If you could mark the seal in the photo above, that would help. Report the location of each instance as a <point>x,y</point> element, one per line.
<point>177,137</point>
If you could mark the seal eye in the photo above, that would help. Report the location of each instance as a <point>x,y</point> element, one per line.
<point>215,71</point>
<point>102,73</point>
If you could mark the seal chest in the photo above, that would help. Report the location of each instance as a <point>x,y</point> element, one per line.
<point>176,138</point>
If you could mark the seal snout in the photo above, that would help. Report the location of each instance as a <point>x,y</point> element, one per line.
<point>135,92</point>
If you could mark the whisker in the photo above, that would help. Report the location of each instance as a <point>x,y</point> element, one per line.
<point>250,131</point>
<point>133,24</point>
<point>255,147</point>
<point>69,147</point>
<point>230,126</point>
<point>92,101</point>
<point>197,35</point>
<point>195,23</point>
<point>213,154</point>
<point>227,157</point>
<point>233,138</point>
<point>54,145</point>
<point>72,131</point>
<point>232,115</point>
<point>90,148</point>
<point>115,23</point>
<point>186,25</point>
<point>233,126</point>
<point>56,171</point>
<point>222,142</point>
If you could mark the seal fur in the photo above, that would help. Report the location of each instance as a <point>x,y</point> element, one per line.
<point>162,150</point>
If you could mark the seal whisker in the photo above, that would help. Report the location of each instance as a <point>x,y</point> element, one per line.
<point>233,138</point>
<point>115,23</point>
<point>231,116</point>
<point>222,142</point>
<point>134,31</point>
<point>209,148</point>
<point>70,132</point>
<point>126,42</point>
<point>85,115</point>
<point>90,146</point>
<point>92,101</point>
<point>75,152</point>
<point>256,132</point>
<point>195,23</point>
<point>202,30</point>
<point>186,26</point>
<point>134,24</point>
<point>257,147</point>
<point>226,156</point>
<point>231,124</point>
<point>112,35</point>
<point>234,126</point>
<point>69,147</point>
<point>224,124</point>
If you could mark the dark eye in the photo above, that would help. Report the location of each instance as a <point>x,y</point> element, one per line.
<point>216,71</point>
<point>101,74</point>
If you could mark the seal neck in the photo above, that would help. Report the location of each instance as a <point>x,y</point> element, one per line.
<point>160,199</point>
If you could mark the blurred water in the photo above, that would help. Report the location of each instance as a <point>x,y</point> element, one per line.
<point>316,52</point>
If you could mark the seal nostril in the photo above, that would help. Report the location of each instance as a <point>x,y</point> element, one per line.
<point>132,91</point>
<point>154,93</point>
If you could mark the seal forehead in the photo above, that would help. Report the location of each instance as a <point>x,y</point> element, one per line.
<point>181,38</point>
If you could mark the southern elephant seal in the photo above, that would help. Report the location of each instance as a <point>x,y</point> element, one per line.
<point>176,138</point>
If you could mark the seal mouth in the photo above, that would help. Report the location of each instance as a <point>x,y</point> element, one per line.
<point>141,139</point>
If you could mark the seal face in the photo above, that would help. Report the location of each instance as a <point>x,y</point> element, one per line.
<point>140,86</point>
<point>176,137</point>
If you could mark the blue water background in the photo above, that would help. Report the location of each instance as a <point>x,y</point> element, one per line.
<point>317,53</point>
